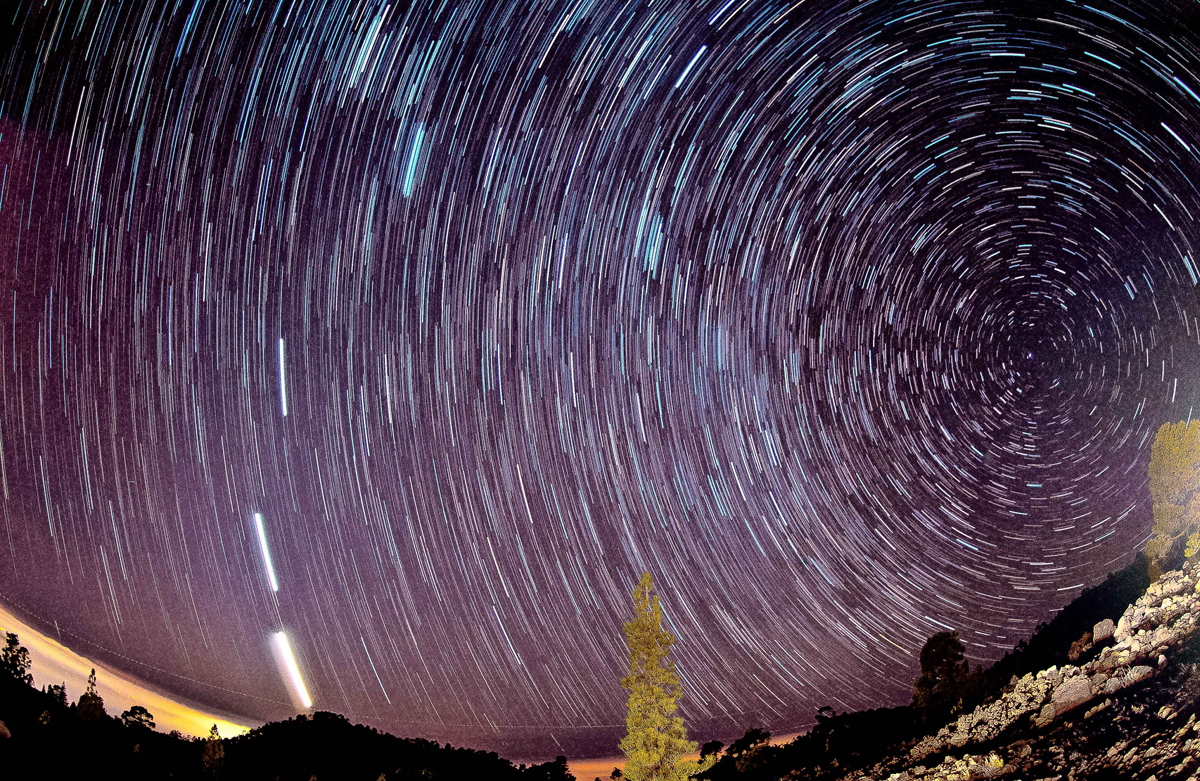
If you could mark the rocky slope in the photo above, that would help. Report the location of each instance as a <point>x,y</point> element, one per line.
<point>1128,710</point>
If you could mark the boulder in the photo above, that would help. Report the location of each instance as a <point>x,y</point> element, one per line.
<point>1070,694</point>
<point>1106,663</point>
<point>4,733</point>
<point>1137,619</point>
<point>1122,630</point>
<point>1174,586</point>
<point>1102,631</point>
<point>1139,673</point>
<point>1115,684</point>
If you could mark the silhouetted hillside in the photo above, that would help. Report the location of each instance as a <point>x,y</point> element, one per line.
<point>1051,642</point>
<point>58,740</point>
<point>327,745</point>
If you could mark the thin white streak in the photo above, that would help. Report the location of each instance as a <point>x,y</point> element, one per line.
<point>1176,135</point>
<point>266,554</point>
<point>372,663</point>
<point>282,379</point>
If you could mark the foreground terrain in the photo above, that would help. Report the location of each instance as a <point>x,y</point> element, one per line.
<point>1126,710</point>
<point>1120,701</point>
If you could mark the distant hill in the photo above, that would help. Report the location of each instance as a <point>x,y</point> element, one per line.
<point>57,740</point>
<point>329,746</point>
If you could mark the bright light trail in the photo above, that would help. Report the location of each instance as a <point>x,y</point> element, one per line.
<point>262,543</point>
<point>289,661</point>
<point>688,69</point>
<point>282,379</point>
<point>413,157</point>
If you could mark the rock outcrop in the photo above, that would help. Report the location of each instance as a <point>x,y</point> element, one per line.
<point>1131,652</point>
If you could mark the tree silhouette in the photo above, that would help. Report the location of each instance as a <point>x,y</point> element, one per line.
<point>58,693</point>
<point>214,753</point>
<point>656,740</point>
<point>753,738</point>
<point>743,751</point>
<point>944,674</point>
<point>91,705</point>
<point>552,771</point>
<point>138,717</point>
<point>1175,492</point>
<point>14,659</point>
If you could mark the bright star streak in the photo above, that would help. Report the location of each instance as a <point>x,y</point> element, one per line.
<point>282,379</point>
<point>266,554</point>
<point>289,661</point>
<point>690,65</point>
<point>410,175</point>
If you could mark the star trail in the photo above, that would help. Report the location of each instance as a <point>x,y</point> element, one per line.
<point>404,336</point>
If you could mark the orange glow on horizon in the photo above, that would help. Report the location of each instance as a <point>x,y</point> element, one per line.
<point>588,769</point>
<point>54,663</point>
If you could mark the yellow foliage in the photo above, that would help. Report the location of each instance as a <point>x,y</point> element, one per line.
<point>1175,488</point>
<point>656,740</point>
<point>1193,545</point>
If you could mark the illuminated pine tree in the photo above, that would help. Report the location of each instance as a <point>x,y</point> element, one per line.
<point>656,741</point>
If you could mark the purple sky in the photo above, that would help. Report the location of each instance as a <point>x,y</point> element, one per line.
<point>850,322</point>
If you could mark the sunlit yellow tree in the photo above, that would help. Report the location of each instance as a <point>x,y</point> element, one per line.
<point>1175,491</point>
<point>655,742</point>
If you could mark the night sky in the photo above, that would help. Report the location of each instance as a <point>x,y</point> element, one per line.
<point>850,322</point>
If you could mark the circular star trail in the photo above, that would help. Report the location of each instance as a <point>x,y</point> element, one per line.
<point>850,322</point>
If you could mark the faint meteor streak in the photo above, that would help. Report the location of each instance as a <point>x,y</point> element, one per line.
<point>266,554</point>
<point>289,662</point>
